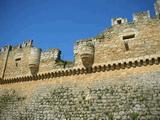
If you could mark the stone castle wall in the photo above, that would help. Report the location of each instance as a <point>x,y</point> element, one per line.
<point>115,76</point>
<point>125,94</point>
<point>14,61</point>
<point>143,39</point>
<point>123,41</point>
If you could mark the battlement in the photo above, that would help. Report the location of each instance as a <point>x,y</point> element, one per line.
<point>52,53</point>
<point>27,43</point>
<point>115,75</point>
<point>122,44</point>
<point>141,16</point>
<point>137,17</point>
<point>5,48</point>
<point>110,66</point>
<point>119,21</point>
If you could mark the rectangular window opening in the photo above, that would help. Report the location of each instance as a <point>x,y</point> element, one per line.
<point>128,37</point>
<point>126,46</point>
<point>17,62</point>
<point>18,59</point>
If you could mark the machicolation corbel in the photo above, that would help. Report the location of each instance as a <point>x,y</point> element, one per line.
<point>87,55</point>
<point>34,60</point>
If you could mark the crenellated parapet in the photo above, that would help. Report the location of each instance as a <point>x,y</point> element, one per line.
<point>123,45</point>
<point>115,75</point>
<point>123,40</point>
<point>53,53</point>
<point>141,16</point>
<point>137,17</point>
<point>28,43</point>
<point>5,48</point>
<point>119,21</point>
<point>110,66</point>
<point>25,44</point>
<point>116,23</point>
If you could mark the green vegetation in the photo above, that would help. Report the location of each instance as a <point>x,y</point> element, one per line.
<point>133,115</point>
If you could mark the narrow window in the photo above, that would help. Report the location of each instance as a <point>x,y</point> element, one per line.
<point>18,59</point>
<point>17,62</point>
<point>126,46</point>
<point>158,59</point>
<point>119,21</point>
<point>128,37</point>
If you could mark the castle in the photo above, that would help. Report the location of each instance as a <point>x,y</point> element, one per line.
<point>125,57</point>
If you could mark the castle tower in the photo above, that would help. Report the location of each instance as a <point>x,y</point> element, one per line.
<point>157,8</point>
<point>34,60</point>
<point>87,55</point>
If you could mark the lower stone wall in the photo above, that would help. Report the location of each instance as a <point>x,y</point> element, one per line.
<point>129,94</point>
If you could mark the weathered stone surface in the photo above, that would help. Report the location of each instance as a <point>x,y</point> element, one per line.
<point>116,78</point>
<point>132,97</point>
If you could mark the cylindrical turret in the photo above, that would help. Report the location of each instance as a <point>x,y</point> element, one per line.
<point>87,55</point>
<point>34,60</point>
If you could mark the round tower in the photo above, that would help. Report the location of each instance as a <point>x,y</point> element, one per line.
<point>34,60</point>
<point>87,55</point>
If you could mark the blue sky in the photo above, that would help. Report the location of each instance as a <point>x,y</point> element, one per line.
<point>59,23</point>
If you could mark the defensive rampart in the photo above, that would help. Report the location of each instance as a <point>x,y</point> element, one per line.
<point>114,76</point>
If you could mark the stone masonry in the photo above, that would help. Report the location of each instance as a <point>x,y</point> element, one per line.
<point>114,76</point>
